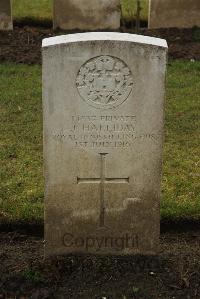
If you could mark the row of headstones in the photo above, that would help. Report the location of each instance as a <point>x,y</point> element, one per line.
<point>93,15</point>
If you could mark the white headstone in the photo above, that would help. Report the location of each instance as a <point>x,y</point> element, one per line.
<point>103,97</point>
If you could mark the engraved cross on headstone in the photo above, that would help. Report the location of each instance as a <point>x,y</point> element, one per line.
<point>102,180</point>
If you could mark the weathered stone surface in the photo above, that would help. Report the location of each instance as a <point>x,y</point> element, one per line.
<point>5,15</point>
<point>86,14</point>
<point>103,101</point>
<point>174,13</point>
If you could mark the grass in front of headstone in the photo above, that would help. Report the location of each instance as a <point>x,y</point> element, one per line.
<point>21,143</point>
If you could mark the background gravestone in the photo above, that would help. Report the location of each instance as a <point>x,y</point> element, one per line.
<point>174,13</point>
<point>5,15</point>
<point>103,102</point>
<point>86,14</point>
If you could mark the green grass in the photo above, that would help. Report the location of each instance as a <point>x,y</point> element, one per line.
<point>21,143</point>
<point>129,8</point>
<point>33,9</point>
<point>181,184</point>
<point>42,9</point>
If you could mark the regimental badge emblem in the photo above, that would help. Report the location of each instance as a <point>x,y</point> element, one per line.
<point>104,82</point>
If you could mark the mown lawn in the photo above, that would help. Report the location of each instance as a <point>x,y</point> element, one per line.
<point>42,9</point>
<point>21,143</point>
<point>181,180</point>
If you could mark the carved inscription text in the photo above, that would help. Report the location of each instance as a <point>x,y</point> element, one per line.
<point>104,131</point>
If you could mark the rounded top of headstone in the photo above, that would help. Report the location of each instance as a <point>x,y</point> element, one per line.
<point>102,36</point>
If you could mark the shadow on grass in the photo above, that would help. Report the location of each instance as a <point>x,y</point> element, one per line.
<point>48,23</point>
<point>33,22</point>
<point>180,225</point>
